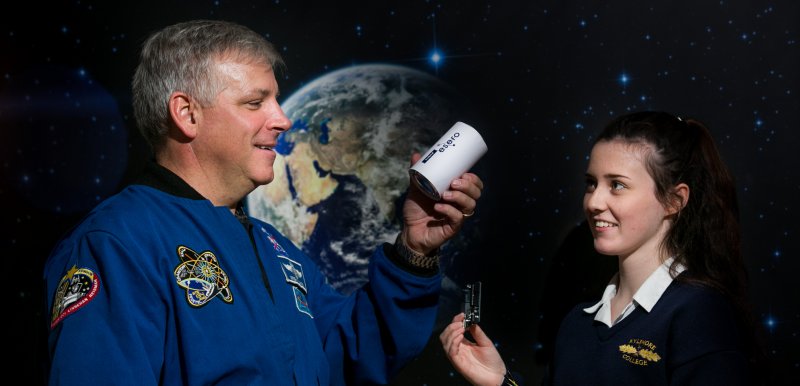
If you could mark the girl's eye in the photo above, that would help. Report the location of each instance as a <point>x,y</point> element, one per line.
<point>591,185</point>
<point>616,185</point>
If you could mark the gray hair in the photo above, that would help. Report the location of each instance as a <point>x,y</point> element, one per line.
<point>180,57</point>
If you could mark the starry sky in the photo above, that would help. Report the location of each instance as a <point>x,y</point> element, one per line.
<point>544,77</point>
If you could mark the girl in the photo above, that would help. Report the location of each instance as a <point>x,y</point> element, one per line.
<point>658,197</point>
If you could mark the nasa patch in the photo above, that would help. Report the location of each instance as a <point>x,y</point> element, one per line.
<point>75,290</point>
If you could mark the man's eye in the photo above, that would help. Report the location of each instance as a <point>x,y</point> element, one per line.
<point>254,104</point>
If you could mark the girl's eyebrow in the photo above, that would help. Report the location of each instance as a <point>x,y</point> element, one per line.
<point>609,176</point>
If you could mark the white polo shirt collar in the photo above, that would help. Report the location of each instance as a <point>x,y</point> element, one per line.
<point>646,296</point>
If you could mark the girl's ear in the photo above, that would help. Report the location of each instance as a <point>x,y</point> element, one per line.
<point>680,197</point>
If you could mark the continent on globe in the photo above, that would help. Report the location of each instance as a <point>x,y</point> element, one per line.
<point>342,169</point>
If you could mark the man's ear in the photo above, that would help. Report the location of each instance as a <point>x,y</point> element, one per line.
<point>680,197</point>
<point>184,112</point>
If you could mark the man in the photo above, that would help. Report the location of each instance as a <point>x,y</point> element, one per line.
<point>169,282</point>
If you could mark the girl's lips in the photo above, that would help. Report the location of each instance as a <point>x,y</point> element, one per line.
<point>602,226</point>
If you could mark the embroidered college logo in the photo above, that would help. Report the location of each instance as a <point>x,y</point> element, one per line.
<point>75,290</point>
<point>640,352</point>
<point>202,277</point>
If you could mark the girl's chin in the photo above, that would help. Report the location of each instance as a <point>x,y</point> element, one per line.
<point>604,249</point>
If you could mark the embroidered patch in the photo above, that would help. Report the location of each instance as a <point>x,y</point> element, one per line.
<point>202,277</point>
<point>640,352</point>
<point>293,272</point>
<point>301,302</point>
<point>274,242</point>
<point>75,290</point>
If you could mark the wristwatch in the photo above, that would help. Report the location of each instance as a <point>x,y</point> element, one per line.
<point>413,257</point>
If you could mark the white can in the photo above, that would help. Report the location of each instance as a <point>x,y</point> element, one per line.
<point>453,155</point>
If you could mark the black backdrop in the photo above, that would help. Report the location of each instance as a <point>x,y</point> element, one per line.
<point>544,75</point>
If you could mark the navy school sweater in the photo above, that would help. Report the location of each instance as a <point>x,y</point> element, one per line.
<point>690,337</point>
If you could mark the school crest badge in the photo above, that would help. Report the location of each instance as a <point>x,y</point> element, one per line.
<point>640,352</point>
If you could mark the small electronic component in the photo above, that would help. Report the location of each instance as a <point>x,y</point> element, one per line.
<point>472,304</point>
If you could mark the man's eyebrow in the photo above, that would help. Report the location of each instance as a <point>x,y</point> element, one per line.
<point>260,92</point>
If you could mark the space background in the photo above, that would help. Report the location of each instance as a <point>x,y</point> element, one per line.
<point>543,77</point>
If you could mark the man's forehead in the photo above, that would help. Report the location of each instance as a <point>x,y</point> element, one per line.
<point>248,76</point>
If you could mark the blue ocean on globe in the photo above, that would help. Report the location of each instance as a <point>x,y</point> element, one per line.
<point>342,169</point>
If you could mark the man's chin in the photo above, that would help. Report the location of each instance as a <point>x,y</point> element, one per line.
<point>263,179</point>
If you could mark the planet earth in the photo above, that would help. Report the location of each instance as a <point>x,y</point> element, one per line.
<point>342,169</point>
